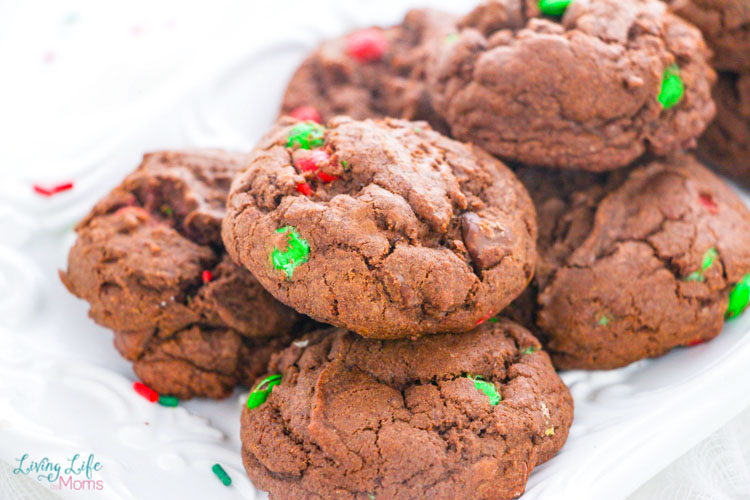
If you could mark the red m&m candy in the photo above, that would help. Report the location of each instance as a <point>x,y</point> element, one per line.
<point>367,45</point>
<point>306,114</point>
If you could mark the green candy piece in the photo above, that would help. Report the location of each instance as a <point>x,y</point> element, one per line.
<point>554,8</point>
<point>739,298</point>
<point>297,252</point>
<point>261,391</point>
<point>452,37</point>
<point>604,320</point>
<point>487,388</point>
<point>529,350</point>
<point>221,474</point>
<point>306,135</point>
<point>168,401</point>
<point>672,88</point>
<point>708,260</point>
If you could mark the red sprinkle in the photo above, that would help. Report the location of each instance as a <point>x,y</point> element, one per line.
<point>306,114</point>
<point>693,342</point>
<point>304,188</point>
<point>367,45</point>
<point>59,188</point>
<point>483,319</point>
<point>146,391</point>
<point>206,276</point>
<point>708,201</point>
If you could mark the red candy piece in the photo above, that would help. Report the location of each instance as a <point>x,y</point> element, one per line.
<point>326,177</point>
<point>206,276</point>
<point>708,201</point>
<point>483,319</point>
<point>311,162</point>
<point>693,342</point>
<point>367,45</point>
<point>146,391</point>
<point>59,188</point>
<point>304,188</point>
<point>306,114</point>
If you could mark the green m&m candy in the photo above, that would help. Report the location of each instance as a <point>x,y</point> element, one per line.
<point>261,391</point>
<point>297,252</point>
<point>672,88</point>
<point>554,8</point>
<point>739,298</point>
<point>306,135</point>
<point>708,260</point>
<point>488,388</point>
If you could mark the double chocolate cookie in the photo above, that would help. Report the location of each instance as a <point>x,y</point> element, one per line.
<point>150,262</point>
<point>371,73</point>
<point>445,416</point>
<point>384,227</point>
<point>725,25</point>
<point>726,143</point>
<point>593,86</point>
<point>635,262</point>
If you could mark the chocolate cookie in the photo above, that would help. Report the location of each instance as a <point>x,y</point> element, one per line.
<point>150,262</point>
<point>726,143</point>
<point>725,25</point>
<point>592,87</point>
<point>370,73</point>
<point>384,227</point>
<point>634,262</point>
<point>446,416</point>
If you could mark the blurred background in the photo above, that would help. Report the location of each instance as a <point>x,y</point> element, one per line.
<point>86,86</point>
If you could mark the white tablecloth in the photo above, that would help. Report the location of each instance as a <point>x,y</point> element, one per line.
<point>74,70</point>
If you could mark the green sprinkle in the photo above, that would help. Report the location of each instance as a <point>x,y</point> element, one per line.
<point>166,209</point>
<point>306,135</point>
<point>494,320</point>
<point>708,260</point>
<point>604,320</point>
<point>487,388</point>
<point>417,130</point>
<point>371,496</point>
<point>672,87</point>
<point>297,252</point>
<point>345,164</point>
<point>451,38</point>
<point>221,474</point>
<point>739,298</point>
<point>261,391</point>
<point>554,8</point>
<point>168,401</point>
<point>529,350</point>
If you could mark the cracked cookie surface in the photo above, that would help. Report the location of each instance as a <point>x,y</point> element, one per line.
<point>632,263</point>
<point>594,89</point>
<point>150,262</point>
<point>725,25</point>
<point>726,143</point>
<point>334,82</point>
<point>357,418</point>
<point>386,228</point>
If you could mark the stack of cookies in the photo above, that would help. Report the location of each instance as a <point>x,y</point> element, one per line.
<point>541,212</point>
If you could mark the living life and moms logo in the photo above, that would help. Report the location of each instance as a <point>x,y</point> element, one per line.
<point>76,473</point>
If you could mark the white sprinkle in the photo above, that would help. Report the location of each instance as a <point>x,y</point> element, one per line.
<point>301,343</point>
<point>164,303</point>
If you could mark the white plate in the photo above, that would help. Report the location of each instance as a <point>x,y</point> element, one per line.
<point>64,390</point>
